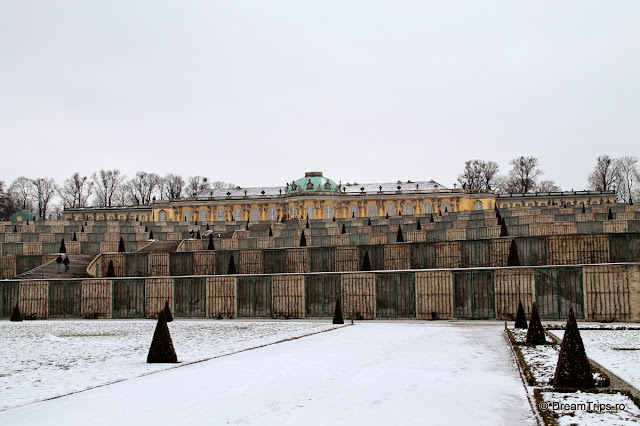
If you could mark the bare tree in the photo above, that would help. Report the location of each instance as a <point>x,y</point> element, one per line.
<point>172,186</point>
<point>478,175</point>
<point>107,183</point>
<point>605,175</point>
<point>222,185</point>
<point>197,184</point>
<point>20,192</point>
<point>142,187</point>
<point>547,186</point>
<point>629,176</point>
<point>523,176</point>
<point>43,191</point>
<point>76,190</point>
<point>7,205</point>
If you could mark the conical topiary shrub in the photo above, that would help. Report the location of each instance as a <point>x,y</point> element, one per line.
<point>439,212</point>
<point>15,228</point>
<point>630,201</point>
<point>513,259</point>
<point>368,221</point>
<point>503,229</point>
<point>366,263</point>
<point>535,332</point>
<point>307,225</point>
<point>121,248</point>
<point>337,315</point>
<point>151,235</point>
<point>270,232</point>
<point>418,226</point>
<point>333,219</point>
<point>74,238</point>
<point>161,350</point>
<point>110,270</point>
<point>208,227</point>
<point>198,235</point>
<point>344,229</point>
<point>353,214</point>
<point>303,240</point>
<point>431,218</point>
<point>583,211</point>
<point>210,246</point>
<point>573,369</point>
<point>146,229</point>
<point>62,249</point>
<point>521,318</point>
<point>386,216</point>
<point>231,270</point>
<point>167,312</point>
<point>610,215</point>
<point>16,316</point>
<point>399,236</point>
<point>82,228</point>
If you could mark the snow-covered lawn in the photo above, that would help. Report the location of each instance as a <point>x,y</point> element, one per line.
<point>373,373</point>
<point>44,359</point>
<point>591,409</point>
<point>616,350</point>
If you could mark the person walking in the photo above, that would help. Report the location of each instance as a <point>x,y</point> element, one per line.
<point>59,262</point>
<point>66,263</point>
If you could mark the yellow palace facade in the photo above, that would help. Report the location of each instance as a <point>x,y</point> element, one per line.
<point>317,197</point>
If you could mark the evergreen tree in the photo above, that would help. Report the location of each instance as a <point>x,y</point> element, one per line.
<point>167,311</point>
<point>62,249</point>
<point>431,218</point>
<point>199,236</point>
<point>366,263</point>
<point>162,350</point>
<point>344,229</point>
<point>419,226</point>
<point>74,238</point>
<point>151,235</point>
<point>307,225</point>
<point>399,236</point>
<point>535,332</point>
<point>111,272</point>
<point>210,246</point>
<point>121,248</point>
<point>303,240</point>
<point>82,228</point>
<point>334,219</point>
<point>610,216</point>
<point>521,318</point>
<point>583,210</point>
<point>573,369</point>
<point>208,227</point>
<point>232,266</point>
<point>337,315</point>
<point>368,221</point>
<point>353,215</point>
<point>386,216</point>
<point>513,259</point>
<point>15,228</point>
<point>146,229</point>
<point>16,316</point>
<point>503,230</point>
<point>270,232</point>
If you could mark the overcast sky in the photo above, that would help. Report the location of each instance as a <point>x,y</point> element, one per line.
<point>258,92</point>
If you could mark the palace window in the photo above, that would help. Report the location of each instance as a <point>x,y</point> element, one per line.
<point>408,209</point>
<point>220,214</point>
<point>204,215</point>
<point>187,215</point>
<point>478,205</point>
<point>446,207</point>
<point>309,211</point>
<point>426,207</point>
<point>255,214</point>
<point>293,211</point>
<point>372,210</point>
<point>391,209</point>
<point>354,210</point>
<point>328,211</point>
<point>272,213</point>
<point>237,214</point>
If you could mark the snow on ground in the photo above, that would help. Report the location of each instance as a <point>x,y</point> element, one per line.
<point>615,350</point>
<point>591,409</point>
<point>44,359</point>
<point>372,373</point>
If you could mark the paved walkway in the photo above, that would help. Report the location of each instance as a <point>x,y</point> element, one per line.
<point>77,269</point>
<point>393,373</point>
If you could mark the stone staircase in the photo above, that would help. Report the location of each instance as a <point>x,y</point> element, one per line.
<point>161,247</point>
<point>77,269</point>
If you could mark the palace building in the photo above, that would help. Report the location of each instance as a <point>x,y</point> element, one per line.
<point>315,196</point>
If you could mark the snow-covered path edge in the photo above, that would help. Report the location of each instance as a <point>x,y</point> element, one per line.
<point>180,364</point>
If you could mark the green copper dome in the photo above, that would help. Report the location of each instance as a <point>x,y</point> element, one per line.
<point>312,182</point>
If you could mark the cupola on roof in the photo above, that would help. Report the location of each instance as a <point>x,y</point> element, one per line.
<point>312,182</point>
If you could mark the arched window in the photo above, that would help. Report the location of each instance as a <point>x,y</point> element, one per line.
<point>446,207</point>
<point>478,205</point>
<point>309,211</point>
<point>220,215</point>
<point>272,213</point>
<point>372,210</point>
<point>204,215</point>
<point>255,214</point>
<point>408,209</point>
<point>187,215</point>
<point>237,214</point>
<point>293,211</point>
<point>354,210</point>
<point>143,217</point>
<point>426,207</point>
<point>162,216</point>
<point>391,209</point>
<point>328,211</point>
